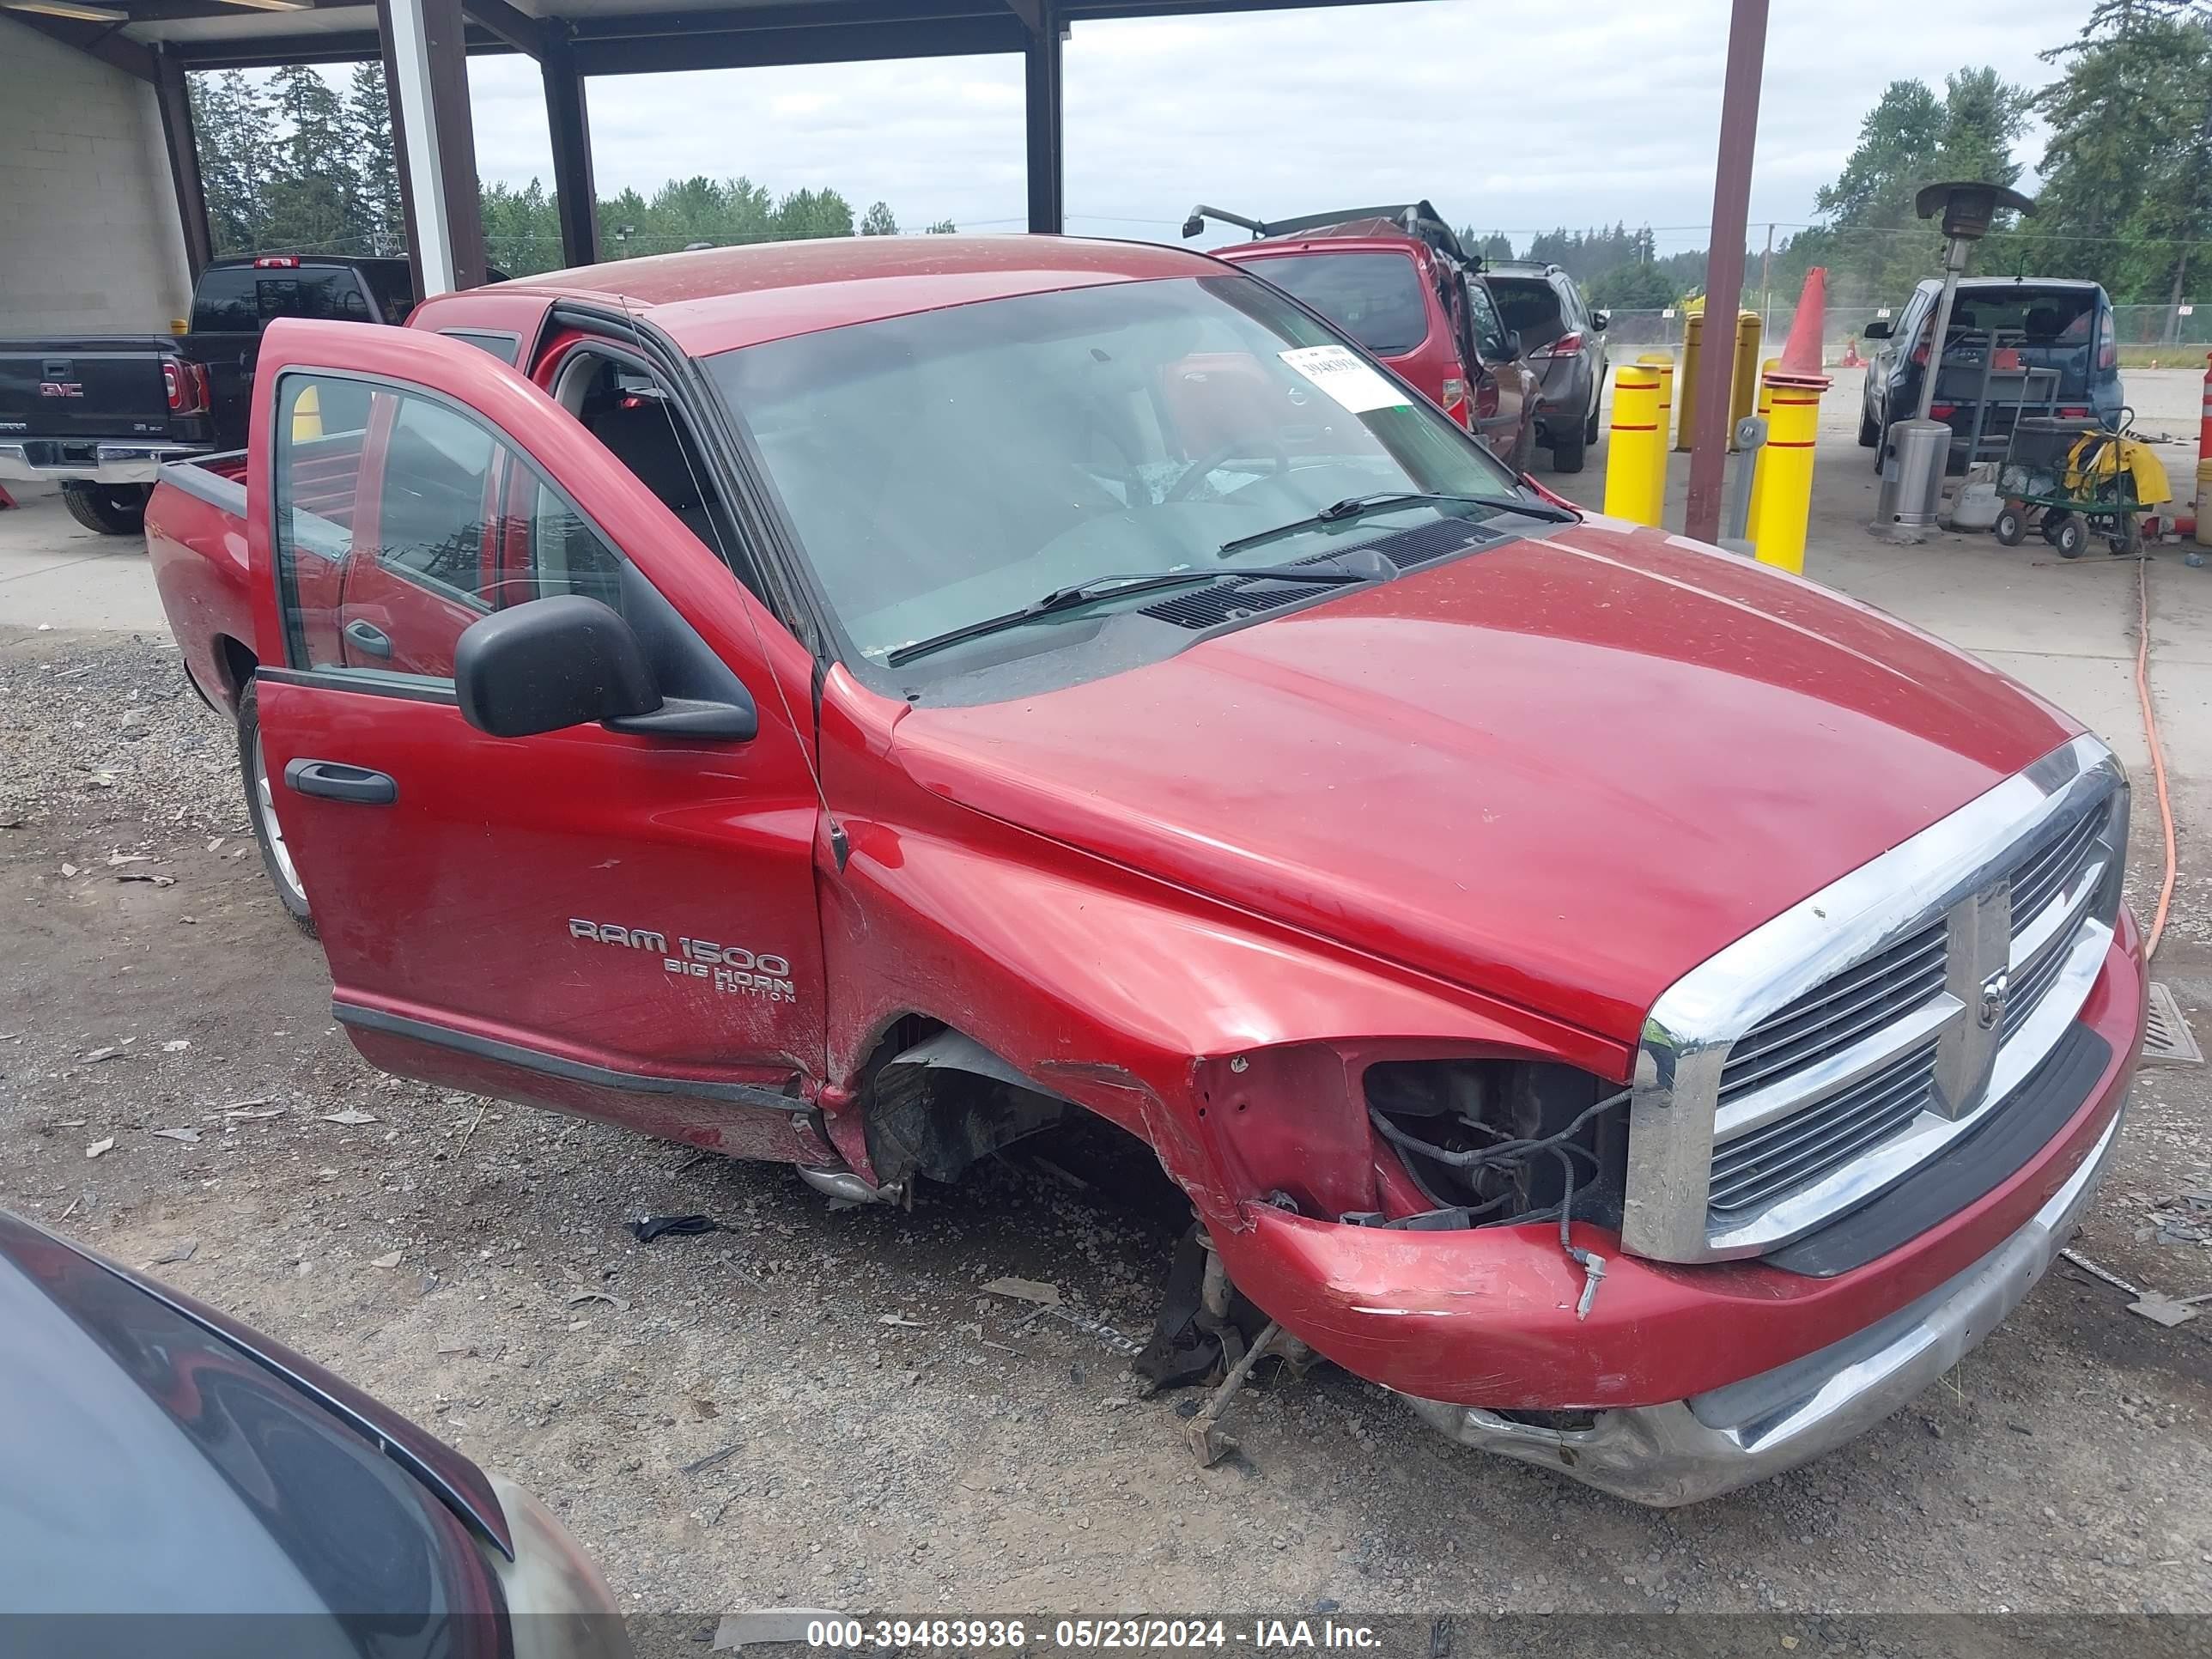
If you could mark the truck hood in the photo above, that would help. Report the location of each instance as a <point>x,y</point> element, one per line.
<point>1561,772</point>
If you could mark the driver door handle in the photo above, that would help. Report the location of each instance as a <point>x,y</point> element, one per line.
<point>334,780</point>
<point>369,637</point>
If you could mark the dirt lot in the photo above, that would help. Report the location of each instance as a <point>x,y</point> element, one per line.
<point>822,1408</point>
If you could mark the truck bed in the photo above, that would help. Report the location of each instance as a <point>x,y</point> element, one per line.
<point>196,542</point>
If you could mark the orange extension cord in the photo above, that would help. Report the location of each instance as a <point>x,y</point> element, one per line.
<point>2157,753</point>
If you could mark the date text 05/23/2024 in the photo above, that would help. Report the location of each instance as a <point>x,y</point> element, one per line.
<point>1148,1634</point>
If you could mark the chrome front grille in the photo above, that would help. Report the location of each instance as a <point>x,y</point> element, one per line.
<point>1755,1168</point>
<point>1829,1053</point>
<point>1830,1017</point>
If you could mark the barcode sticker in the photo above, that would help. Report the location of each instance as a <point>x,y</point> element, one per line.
<point>1351,382</point>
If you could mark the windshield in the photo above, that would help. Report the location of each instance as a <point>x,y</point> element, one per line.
<point>950,466</point>
<point>1376,298</point>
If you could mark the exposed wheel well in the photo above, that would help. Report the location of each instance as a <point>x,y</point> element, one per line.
<point>933,1101</point>
<point>238,665</point>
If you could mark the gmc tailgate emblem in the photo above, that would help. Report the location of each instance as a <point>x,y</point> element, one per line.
<point>61,388</point>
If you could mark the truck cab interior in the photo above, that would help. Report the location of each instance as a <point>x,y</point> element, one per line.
<point>626,411</point>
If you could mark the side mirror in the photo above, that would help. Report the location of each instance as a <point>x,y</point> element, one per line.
<point>549,664</point>
<point>1874,329</point>
<point>1601,321</point>
<point>1513,345</point>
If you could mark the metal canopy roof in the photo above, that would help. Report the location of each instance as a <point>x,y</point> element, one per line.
<point>617,37</point>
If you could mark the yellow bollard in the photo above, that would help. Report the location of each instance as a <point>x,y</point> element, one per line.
<point>1638,447</point>
<point>307,414</point>
<point>1685,408</point>
<point>1785,473</point>
<point>1766,412</point>
<point>1744,390</point>
<point>1743,373</point>
<point>1663,362</point>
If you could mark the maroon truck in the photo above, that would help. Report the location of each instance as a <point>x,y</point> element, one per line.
<point>856,703</point>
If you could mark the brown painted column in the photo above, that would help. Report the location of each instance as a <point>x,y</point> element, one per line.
<point>426,77</point>
<point>182,142</point>
<point>567,119</point>
<point>1746,58</point>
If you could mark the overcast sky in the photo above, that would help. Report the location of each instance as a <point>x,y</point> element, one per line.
<point>1598,111</point>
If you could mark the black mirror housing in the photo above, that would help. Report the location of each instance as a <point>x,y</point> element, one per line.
<point>1513,348</point>
<point>1876,328</point>
<point>1601,321</point>
<point>549,664</point>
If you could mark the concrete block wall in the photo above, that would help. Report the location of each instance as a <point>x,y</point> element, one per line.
<point>89,241</point>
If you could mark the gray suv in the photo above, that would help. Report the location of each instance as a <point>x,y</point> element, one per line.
<point>1564,342</point>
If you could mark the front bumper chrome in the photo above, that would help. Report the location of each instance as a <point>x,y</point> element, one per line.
<point>1687,1450</point>
<point>58,461</point>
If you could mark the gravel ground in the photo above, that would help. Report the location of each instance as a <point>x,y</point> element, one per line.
<point>823,1407</point>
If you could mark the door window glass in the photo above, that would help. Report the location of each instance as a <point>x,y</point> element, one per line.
<point>400,520</point>
<point>1489,327</point>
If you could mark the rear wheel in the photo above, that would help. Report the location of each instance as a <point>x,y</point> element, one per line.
<point>2072,537</point>
<point>110,509</point>
<point>261,810</point>
<point>2011,525</point>
<point>1589,426</point>
<point>1567,453</point>
<point>2127,540</point>
<point>1869,429</point>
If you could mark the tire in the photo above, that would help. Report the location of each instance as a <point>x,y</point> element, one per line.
<point>2128,544</point>
<point>261,811</point>
<point>2011,525</point>
<point>2072,538</point>
<point>110,509</point>
<point>1869,430</point>
<point>1589,426</point>
<point>1567,453</point>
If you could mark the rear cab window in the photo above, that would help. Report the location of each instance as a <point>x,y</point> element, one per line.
<point>245,299</point>
<point>1376,298</point>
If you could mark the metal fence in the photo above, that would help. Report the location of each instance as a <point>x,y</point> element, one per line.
<point>2146,332</point>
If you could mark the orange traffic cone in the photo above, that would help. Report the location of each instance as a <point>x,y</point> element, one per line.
<point>1851,358</point>
<point>1800,363</point>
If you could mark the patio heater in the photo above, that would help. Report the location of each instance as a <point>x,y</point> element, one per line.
<point>1920,448</point>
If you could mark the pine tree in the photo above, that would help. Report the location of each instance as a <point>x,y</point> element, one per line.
<point>311,196</point>
<point>380,216</point>
<point>880,222</point>
<point>236,136</point>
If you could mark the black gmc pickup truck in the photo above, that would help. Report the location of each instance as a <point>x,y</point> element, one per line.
<point>99,414</point>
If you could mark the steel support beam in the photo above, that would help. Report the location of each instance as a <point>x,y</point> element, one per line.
<point>182,142</point>
<point>1747,58</point>
<point>516,28</point>
<point>105,41</point>
<point>426,76</point>
<point>1042,119</point>
<point>656,43</point>
<point>567,119</point>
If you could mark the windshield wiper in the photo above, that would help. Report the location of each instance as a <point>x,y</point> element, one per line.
<point>1114,587</point>
<point>1353,508</point>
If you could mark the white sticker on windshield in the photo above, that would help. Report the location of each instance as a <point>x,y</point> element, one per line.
<point>1355,384</point>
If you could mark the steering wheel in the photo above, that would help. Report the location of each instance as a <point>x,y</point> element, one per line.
<point>1184,487</point>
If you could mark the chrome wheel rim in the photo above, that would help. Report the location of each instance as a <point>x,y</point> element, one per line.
<point>265,800</point>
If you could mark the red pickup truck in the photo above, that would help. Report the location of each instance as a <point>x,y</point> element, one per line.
<point>855,702</point>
